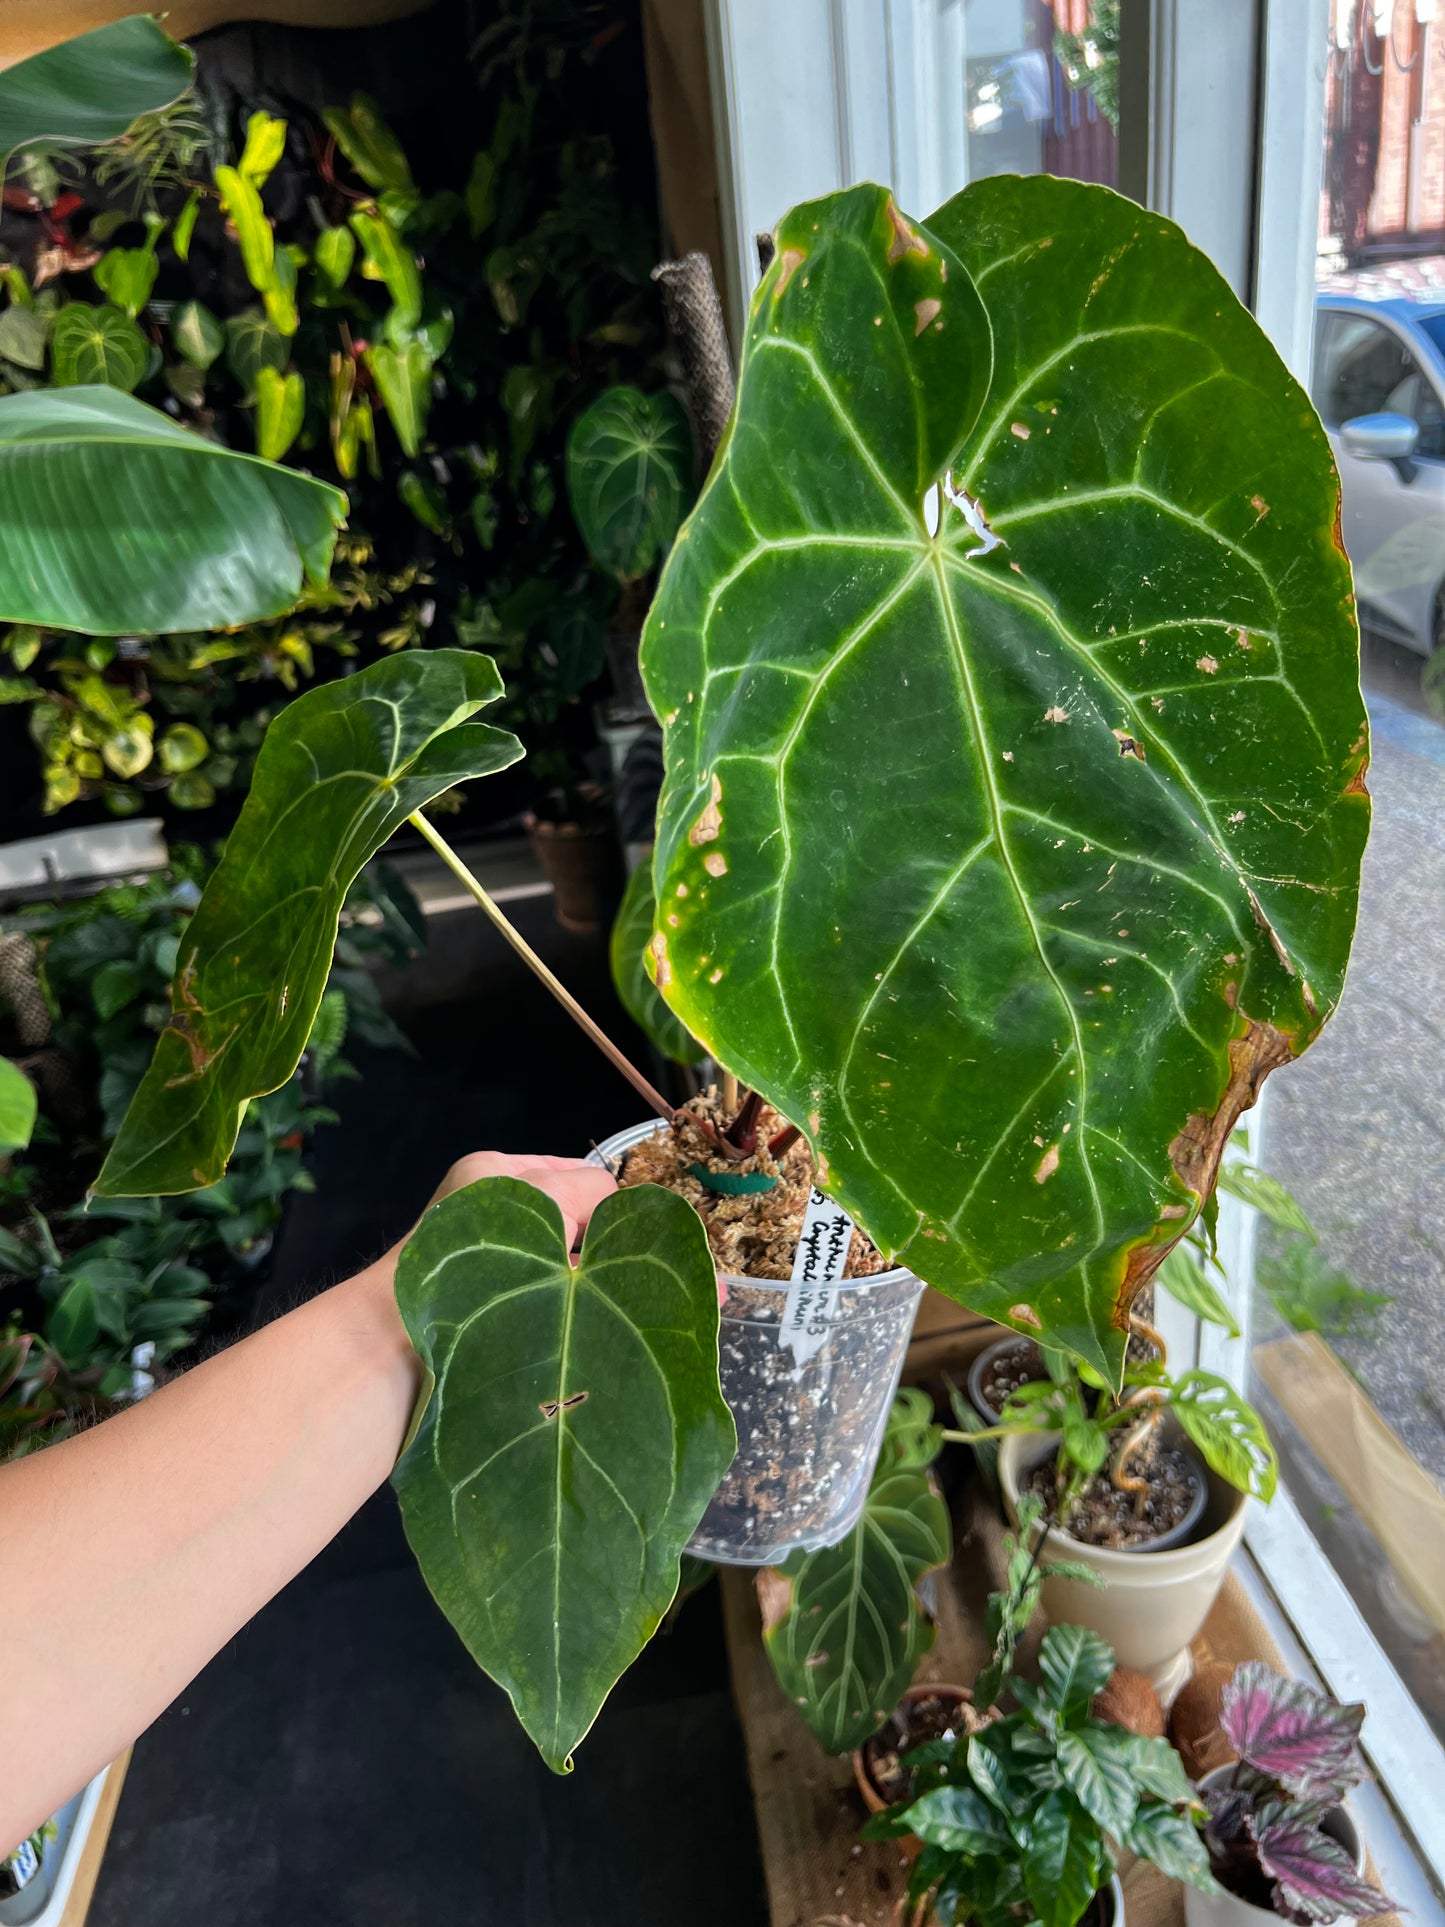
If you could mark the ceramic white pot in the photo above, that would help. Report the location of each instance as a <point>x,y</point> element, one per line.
<point>1226,1910</point>
<point>1151,1605</point>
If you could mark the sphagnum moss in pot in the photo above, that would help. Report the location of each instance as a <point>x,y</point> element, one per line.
<point>1002,660</point>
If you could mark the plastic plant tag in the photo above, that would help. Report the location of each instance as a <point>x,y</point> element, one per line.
<point>823,1245</point>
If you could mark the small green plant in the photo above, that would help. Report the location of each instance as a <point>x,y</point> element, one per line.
<point>1114,1432</point>
<point>1017,1819</point>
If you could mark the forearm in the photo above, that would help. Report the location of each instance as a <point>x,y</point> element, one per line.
<point>131,1554</point>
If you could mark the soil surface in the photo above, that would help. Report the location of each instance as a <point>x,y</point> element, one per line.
<point>1120,1521</point>
<point>756,1235</point>
<point>1008,1370</point>
<point>938,1717</point>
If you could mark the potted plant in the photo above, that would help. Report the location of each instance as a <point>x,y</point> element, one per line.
<point>1016,1818</point>
<point>962,659</point>
<point>1280,1841</point>
<point>1146,1487</point>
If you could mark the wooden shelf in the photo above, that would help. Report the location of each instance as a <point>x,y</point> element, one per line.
<point>819,1874</point>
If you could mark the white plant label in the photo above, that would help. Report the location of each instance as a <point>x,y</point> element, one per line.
<point>823,1246</point>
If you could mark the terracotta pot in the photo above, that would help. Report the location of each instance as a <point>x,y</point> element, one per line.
<point>1151,1605</point>
<point>921,1690</point>
<point>580,862</point>
<point>1227,1910</point>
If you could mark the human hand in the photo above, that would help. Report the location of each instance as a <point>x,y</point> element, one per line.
<point>575,1186</point>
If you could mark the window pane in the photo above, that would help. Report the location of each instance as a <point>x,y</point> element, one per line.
<point>1042,87</point>
<point>1348,1337</point>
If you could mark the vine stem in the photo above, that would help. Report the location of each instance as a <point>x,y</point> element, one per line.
<point>535,964</point>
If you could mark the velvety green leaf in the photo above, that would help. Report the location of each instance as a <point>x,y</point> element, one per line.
<point>89,89</point>
<point>96,345</point>
<point>1076,1664</point>
<point>253,344</point>
<point>1065,1863</point>
<point>1172,1842</point>
<point>369,144</point>
<point>844,1626</point>
<point>403,380</point>
<point>339,769</point>
<point>280,411</point>
<point>574,1434</point>
<point>1099,1779</point>
<point>197,334</point>
<point>629,477</point>
<point>265,144</point>
<point>1184,1279</point>
<point>17,1108</point>
<point>391,261</point>
<point>148,528</point>
<point>964,816</point>
<point>1228,1431</point>
<point>631,935</point>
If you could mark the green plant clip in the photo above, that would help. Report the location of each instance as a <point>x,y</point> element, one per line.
<point>732,1184</point>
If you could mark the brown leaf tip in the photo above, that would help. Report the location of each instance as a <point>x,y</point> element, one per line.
<point>906,240</point>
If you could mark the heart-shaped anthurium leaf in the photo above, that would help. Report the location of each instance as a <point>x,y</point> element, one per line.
<point>844,1626</point>
<point>339,770</point>
<point>629,477</point>
<point>1014,800</point>
<point>118,519</point>
<point>572,1438</point>
<point>89,89</point>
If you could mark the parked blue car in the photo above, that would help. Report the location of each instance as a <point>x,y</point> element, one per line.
<point>1379,384</point>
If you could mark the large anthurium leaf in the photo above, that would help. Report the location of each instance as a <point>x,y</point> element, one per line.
<point>631,935</point>
<point>1014,799</point>
<point>340,768</point>
<point>88,90</point>
<point>629,477</point>
<point>572,1439</point>
<point>117,519</point>
<point>844,1626</point>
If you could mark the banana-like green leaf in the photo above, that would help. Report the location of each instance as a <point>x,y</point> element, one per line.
<point>96,346</point>
<point>844,1627</point>
<point>629,477</point>
<point>119,520</point>
<point>17,1108</point>
<point>631,935</point>
<point>572,1439</point>
<point>1014,740</point>
<point>88,90</point>
<point>339,769</point>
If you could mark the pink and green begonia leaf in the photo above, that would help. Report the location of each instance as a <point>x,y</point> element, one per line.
<point>1298,1736</point>
<point>1315,1879</point>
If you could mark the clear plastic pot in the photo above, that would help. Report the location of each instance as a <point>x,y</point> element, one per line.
<point>808,1437</point>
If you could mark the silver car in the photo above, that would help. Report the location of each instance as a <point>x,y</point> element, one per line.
<point>1378,382</point>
